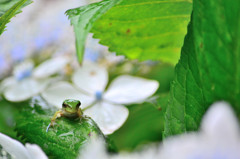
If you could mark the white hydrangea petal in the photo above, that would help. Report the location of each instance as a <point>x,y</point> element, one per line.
<point>50,67</point>
<point>109,117</point>
<point>218,138</point>
<point>7,82</point>
<point>147,153</point>
<point>91,78</point>
<point>35,151</point>
<point>60,91</point>
<point>220,122</point>
<point>127,89</point>
<point>94,149</point>
<point>98,146</point>
<point>13,147</point>
<point>25,89</point>
<point>182,147</point>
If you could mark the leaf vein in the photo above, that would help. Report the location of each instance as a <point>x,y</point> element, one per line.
<point>148,19</point>
<point>154,2</point>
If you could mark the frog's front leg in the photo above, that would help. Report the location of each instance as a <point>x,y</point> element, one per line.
<point>58,114</point>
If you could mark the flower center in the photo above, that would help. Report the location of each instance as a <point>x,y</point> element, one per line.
<point>22,75</point>
<point>23,71</point>
<point>98,95</point>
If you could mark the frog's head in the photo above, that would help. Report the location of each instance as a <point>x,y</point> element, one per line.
<point>71,105</point>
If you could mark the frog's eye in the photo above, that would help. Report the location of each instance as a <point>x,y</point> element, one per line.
<point>64,105</point>
<point>78,105</point>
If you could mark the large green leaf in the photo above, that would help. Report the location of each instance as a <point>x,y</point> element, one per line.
<point>139,29</point>
<point>7,118</point>
<point>217,43</point>
<point>209,68</point>
<point>8,9</point>
<point>64,140</point>
<point>186,103</point>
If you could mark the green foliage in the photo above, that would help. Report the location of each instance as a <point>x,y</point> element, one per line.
<point>8,9</point>
<point>209,68</point>
<point>217,44</point>
<point>5,5</point>
<point>138,29</point>
<point>82,19</point>
<point>7,118</point>
<point>63,140</point>
<point>144,125</point>
<point>186,102</point>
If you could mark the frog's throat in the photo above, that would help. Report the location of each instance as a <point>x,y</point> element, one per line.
<point>70,114</point>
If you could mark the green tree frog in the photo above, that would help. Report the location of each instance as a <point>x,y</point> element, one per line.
<point>70,109</point>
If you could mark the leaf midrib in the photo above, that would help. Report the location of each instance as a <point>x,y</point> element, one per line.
<point>11,14</point>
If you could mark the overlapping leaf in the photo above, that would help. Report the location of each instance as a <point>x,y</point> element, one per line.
<point>217,45</point>
<point>82,19</point>
<point>209,69</point>
<point>186,103</point>
<point>139,29</point>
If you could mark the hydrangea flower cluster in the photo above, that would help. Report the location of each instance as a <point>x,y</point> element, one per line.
<point>105,106</point>
<point>218,138</point>
<point>17,150</point>
<point>27,82</point>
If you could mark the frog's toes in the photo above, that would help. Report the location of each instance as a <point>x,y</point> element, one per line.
<point>52,124</point>
<point>49,125</point>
